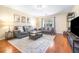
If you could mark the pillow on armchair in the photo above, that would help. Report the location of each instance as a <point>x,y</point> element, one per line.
<point>21,29</point>
<point>45,28</point>
<point>50,29</point>
<point>25,28</point>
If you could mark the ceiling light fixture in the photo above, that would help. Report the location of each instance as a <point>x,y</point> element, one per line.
<point>40,6</point>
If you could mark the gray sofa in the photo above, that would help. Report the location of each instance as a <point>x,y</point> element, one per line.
<point>48,30</point>
<point>19,34</point>
<point>21,31</point>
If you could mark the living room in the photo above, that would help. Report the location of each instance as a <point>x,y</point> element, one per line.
<point>37,29</point>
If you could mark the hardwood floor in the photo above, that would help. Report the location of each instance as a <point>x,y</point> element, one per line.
<point>61,46</point>
<point>5,47</point>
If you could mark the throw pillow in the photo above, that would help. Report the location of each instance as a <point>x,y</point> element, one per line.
<point>21,29</point>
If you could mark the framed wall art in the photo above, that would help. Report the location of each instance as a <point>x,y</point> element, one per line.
<point>16,18</point>
<point>23,19</point>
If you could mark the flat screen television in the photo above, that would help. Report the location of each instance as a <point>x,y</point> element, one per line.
<point>75,26</point>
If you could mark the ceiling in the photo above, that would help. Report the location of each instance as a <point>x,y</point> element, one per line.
<point>41,10</point>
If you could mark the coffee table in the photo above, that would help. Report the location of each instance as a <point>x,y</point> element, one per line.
<point>35,35</point>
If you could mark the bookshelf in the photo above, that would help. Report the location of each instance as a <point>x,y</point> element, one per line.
<point>70,16</point>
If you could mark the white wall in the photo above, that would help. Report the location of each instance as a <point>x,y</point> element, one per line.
<point>7,16</point>
<point>32,22</point>
<point>61,22</point>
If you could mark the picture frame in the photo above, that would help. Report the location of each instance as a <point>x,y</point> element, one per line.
<point>71,15</point>
<point>27,20</point>
<point>19,18</point>
<point>16,18</point>
<point>23,19</point>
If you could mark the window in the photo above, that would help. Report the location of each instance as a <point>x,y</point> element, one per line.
<point>48,22</point>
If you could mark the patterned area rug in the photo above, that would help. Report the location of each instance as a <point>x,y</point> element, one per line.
<point>27,45</point>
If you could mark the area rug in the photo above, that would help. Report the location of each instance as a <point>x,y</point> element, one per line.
<point>27,45</point>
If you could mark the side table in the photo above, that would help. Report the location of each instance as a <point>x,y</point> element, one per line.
<point>9,35</point>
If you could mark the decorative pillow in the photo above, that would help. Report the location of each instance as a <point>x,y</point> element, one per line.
<point>50,29</point>
<point>21,29</point>
<point>24,28</point>
<point>46,28</point>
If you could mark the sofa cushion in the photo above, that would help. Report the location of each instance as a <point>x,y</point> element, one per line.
<point>16,33</point>
<point>48,30</point>
<point>25,28</point>
<point>21,29</point>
